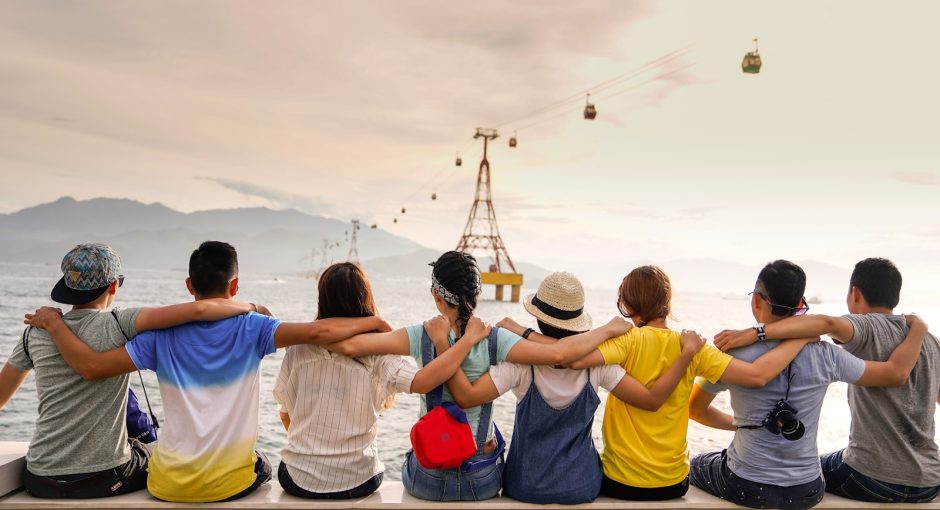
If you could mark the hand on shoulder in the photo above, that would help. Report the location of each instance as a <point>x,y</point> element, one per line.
<point>43,317</point>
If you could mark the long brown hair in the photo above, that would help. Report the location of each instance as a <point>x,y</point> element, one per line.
<point>344,291</point>
<point>648,292</point>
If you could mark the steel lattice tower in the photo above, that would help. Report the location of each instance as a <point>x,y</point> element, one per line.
<point>353,249</point>
<point>481,232</point>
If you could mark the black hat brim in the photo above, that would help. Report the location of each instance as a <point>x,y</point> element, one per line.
<point>61,293</point>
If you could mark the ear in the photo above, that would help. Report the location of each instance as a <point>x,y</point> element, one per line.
<point>437,298</point>
<point>233,287</point>
<point>856,296</point>
<point>112,289</point>
<point>189,286</point>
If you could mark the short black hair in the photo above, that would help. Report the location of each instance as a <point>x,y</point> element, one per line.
<point>879,281</point>
<point>785,283</point>
<point>212,266</point>
<point>553,332</point>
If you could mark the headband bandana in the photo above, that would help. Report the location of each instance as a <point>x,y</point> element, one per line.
<point>445,294</point>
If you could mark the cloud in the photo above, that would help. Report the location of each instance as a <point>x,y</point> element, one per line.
<point>921,178</point>
<point>276,198</point>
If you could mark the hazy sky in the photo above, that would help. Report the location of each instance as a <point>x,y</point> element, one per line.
<point>352,109</point>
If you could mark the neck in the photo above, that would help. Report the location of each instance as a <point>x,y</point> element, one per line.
<point>200,297</point>
<point>657,323</point>
<point>91,306</point>
<point>880,309</point>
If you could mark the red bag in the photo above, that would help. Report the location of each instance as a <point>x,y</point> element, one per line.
<point>442,439</point>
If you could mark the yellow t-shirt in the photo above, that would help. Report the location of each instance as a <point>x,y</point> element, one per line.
<point>641,448</point>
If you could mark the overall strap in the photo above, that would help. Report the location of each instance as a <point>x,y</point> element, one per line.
<point>486,410</point>
<point>26,343</point>
<point>434,397</point>
<point>156,423</point>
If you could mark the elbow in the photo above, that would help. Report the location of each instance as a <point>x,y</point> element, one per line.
<point>756,381</point>
<point>317,332</point>
<point>648,405</point>
<point>898,379</point>
<point>347,349</point>
<point>200,309</point>
<point>557,358</point>
<point>90,373</point>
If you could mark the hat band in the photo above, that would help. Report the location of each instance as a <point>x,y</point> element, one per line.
<point>555,313</point>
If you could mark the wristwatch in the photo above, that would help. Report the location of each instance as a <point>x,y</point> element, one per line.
<point>761,335</point>
<point>527,332</point>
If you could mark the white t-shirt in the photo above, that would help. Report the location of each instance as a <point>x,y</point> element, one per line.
<point>558,386</point>
<point>334,403</point>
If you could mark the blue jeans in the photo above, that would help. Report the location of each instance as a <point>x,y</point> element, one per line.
<point>844,481</point>
<point>451,484</point>
<point>710,472</point>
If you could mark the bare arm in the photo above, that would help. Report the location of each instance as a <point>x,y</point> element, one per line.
<point>325,331</point>
<point>11,378</point>
<point>897,369</point>
<point>511,325</point>
<point>651,399</point>
<point>567,349</point>
<point>285,419</point>
<point>702,410</point>
<point>762,370</point>
<point>448,360</point>
<point>804,326</point>
<point>202,310</point>
<point>593,359</point>
<point>465,394</point>
<point>84,360</point>
<point>367,344</point>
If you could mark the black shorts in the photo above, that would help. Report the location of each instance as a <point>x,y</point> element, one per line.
<point>128,477</point>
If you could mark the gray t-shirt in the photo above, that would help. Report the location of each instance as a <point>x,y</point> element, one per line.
<point>892,434</point>
<point>762,456</point>
<point>81,426</point>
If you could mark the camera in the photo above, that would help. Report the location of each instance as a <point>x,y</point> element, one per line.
<point>782,420</point>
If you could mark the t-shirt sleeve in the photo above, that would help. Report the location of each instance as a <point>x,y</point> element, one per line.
<point>609,376</point>
<point>265,327</point>
<point>507,376</point>
<point>283,379</point>
<point>414,341</point>
<point>710,387</point>
<point>845,366</point>
<point>710,363</point>
<point>127,319</point>
<point>505,341</point>
<point>143,349</point>
<point>864,332</point>
<point>616,350</point>
<point>18,358</point>
<point>398,372</point>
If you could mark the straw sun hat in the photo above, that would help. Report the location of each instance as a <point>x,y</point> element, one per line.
<point>559,302</point>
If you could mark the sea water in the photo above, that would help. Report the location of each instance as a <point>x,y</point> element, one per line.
<point>402,301</point>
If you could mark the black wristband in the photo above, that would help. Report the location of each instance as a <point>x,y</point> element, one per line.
<point>527,332</point>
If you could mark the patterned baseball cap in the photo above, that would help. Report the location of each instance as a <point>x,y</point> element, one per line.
<point>87,271</point>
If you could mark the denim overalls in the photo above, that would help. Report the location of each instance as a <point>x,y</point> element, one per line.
<point>481,476</point>
<point>552,458</point>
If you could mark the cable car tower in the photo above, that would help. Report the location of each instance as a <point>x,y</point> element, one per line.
<point>353,250</point>
<point>482,234</point>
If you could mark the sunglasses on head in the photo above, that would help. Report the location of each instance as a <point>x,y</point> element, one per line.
<point>801,309</point>
<point>120,280</point>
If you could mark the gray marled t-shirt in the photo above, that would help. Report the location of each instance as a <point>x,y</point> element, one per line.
<point>81,426</point>
<point>892,434</point>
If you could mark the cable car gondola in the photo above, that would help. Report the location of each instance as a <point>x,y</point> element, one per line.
<point>512,139</point>
<point>395,220</point>
<point>589,110</point>
<point>403,210</point>
<point>751,62</point>
<point>433,196</point>
<point>459,161</point>
<point>374,226</point>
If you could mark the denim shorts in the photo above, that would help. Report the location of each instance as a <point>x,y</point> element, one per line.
<point>451,484</point>
<point>844,481</point>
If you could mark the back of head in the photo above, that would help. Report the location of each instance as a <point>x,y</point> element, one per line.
<point>553,332</point>
<point>212,267</point>
<point>784,282</point>
<point>459,276</point>
<point>344,291</point>
<point>646,291</point>
<point>879,281</point>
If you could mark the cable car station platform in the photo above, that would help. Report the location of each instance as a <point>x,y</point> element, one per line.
<point>500,280</point>
<point>391,495</point>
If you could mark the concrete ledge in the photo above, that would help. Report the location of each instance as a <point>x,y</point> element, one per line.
<point>392,495</point>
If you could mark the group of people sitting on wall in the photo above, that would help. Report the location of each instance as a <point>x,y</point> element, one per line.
<point>343,369</point>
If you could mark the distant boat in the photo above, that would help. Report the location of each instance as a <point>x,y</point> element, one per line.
<point>814,300</point>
